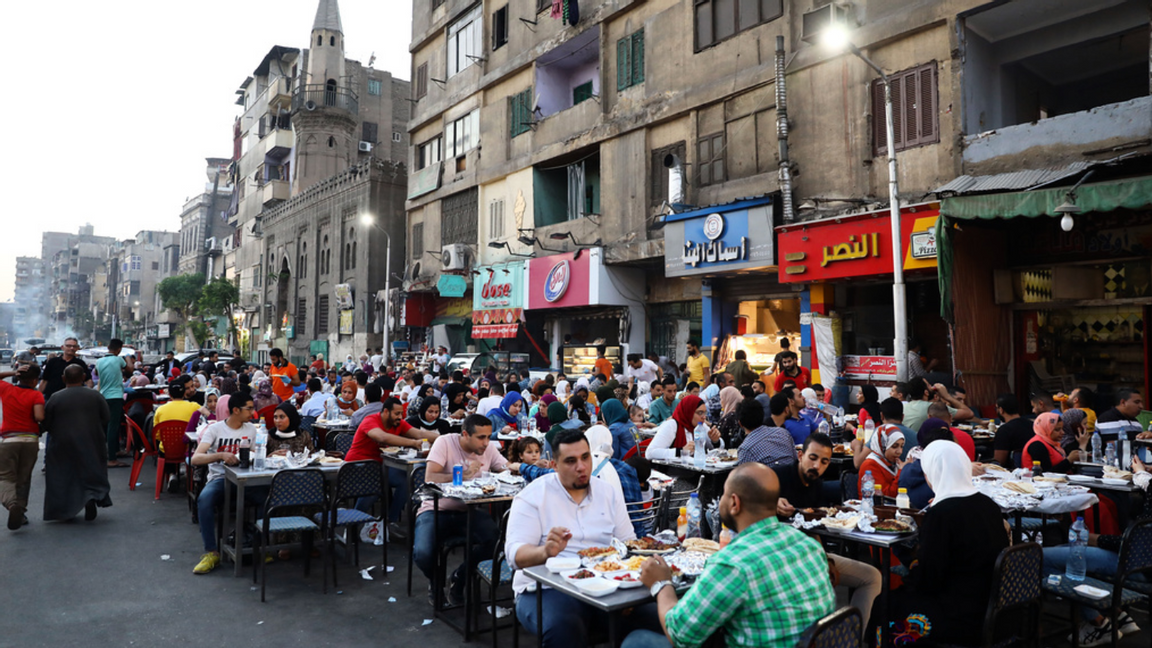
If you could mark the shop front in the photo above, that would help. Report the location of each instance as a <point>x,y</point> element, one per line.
<point>730,248</point>
<point>843,266</point>
<point>580,303</point>
<point>1040,308</point>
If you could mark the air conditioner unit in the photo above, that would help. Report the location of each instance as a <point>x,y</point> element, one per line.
<point>228,244</point>
<point>365,147</point>
<point>816,21</point>
<point>455,257</point>
<point>210,243</point>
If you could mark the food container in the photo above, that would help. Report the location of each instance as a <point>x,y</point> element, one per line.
<point>628,584</point>
<point>562,563</point>
<point>889,513</point>
<point>597,586</point>
<point>814,514</point>
<point>570,575</point>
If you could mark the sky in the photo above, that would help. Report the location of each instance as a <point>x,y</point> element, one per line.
<point>114,105</point>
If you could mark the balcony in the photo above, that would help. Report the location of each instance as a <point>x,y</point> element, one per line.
<point>278,143</point>
<point>318,96</point>
<point>280,92</point>
<point>275,192</point>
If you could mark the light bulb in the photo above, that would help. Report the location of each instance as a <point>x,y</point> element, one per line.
<point>1066,223</point>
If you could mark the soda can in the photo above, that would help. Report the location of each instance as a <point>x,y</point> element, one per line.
<point>458,475</point>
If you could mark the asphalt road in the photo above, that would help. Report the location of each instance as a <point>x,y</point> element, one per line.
<point>108,583</point>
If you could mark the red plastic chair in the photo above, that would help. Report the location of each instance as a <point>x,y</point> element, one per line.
<point>642,447</point>
<point>171,435</point>
<point>266,414</point>
<point>140,446</point>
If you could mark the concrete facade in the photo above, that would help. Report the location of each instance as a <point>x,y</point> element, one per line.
<point>205,233</point>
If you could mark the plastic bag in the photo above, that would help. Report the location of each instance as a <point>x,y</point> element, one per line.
<point>372,533</point>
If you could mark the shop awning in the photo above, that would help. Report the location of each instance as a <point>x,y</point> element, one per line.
<point>1133,193</point>
<point>492,331</point>
<point>449,320</point>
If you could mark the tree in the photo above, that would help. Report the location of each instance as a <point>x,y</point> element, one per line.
<point>220,299</point>
<point>181,294</point>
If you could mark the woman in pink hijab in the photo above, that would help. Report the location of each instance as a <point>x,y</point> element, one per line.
<point>1044,448</point>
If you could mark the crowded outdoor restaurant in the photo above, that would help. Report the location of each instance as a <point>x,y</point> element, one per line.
<point>639,505</point>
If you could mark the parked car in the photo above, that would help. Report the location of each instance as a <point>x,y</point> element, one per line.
<point>473,364</point>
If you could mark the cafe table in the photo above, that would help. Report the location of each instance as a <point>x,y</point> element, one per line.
<point>241,479</point>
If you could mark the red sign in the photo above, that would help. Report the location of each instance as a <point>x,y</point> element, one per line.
<point>559,281</point>
<point>489,331</point>
<point>495,291</point>
<point>876,367</point>
<point>856,246</point>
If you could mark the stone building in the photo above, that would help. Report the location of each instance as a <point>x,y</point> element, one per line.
<point>204,229</point>
<point>134,268</point>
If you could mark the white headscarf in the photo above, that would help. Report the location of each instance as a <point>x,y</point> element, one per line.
<point>643,388</point>
<point>563,388</point>
<point>948,470</point>
<point>598,436</point>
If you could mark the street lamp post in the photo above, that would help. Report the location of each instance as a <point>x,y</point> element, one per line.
<point>368,219</point>
<point>836,37</point>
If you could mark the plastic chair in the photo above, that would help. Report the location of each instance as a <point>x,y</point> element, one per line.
<point>641,447</point>
<point>495,573</point>
<point>171,436</point>
<point>849,486</point>
<point>1135,558</point>
<point>266,414</point>
<point>340,442</point>
<point>645,513</point>
<point>355,479</point>
<point>290,488</point>
<point>142,446</point>
<point>841,629</point>
<point>1016,585</point>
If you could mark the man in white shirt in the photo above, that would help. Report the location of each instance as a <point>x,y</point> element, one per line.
<point>317,399</point>
<point>376,359</point>
<point>440,359</point>
<point>558,515</point>
<point>492,400</point>
<point>641,369</point>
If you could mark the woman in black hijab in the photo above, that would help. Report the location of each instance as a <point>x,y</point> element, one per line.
<point>287,436</point>
<point>428,417</point>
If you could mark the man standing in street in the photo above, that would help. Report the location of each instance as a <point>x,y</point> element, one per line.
<point>740,369</point>
<point>285,377</point>
<point>790,369</point>
<point>165,366</point>
<point>75,461</point>
<point>19,439</point>
<point>52,380</point>
<point>26,357</point>
<point>110,370</point>
<point>698,366</point>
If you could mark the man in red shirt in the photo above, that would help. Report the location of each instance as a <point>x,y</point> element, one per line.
<point>388,428</point>
<point>19,439</point>
<point>285,376</point>
<point>790,369</point>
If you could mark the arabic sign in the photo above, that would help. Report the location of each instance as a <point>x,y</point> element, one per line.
<point>875,367</point>
<point>719,241</point>
<point>498,301</point>
<point>346,319</point>
<point>450,285</point>
<point>856,246</point>
<point>560,280</point>
<point>344,296</point>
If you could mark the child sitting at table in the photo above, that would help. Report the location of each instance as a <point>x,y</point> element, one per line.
<point>639,417</point>
<point>524,450</point>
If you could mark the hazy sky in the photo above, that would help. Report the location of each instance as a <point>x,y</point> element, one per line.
<point>113,106</point>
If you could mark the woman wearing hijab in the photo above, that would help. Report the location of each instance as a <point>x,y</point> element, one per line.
<point>624,434</point>
<point>504,418</point>
<point>869,399</point>
<point>347,401</point>
<point>563,388</point>
<point>730,429</point>
<point>961,537</point>
<point>558,420</point>
<point>286,434</point>
<point>711,397</point>
<point>677,432</point>
<point>1075,424</point>
<point>264,397</point>
<point>350,364</point>
<point>422,392</point>
<point>1045,446</point>
<point>604,393</point>
<point>227,386</point>
<point>427,417</point>
<point>886,444</point>
<point>580,409</point>
<point>912,477</point>
<point>455,403</point>
<point>543,423</point>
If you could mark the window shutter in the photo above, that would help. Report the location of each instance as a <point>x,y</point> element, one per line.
<point>879,124</point>
<point>909,95</point>
<point>928,110</point>
<point>898,110</point>
<point>638,57</point>
<point>623,64</point>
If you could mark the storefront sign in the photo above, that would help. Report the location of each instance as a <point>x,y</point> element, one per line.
<point>557,282</point>
<point>163,331</point>
<point>560,280</point>
<point>344,296</point>
<point>450,285</point>
<point>346,319</point>
<point>734,237</point>
<point>874,367</point>
<point>856,246</point>
<point>498,301</point>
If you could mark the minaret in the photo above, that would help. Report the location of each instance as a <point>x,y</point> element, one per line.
<point>325,111</point>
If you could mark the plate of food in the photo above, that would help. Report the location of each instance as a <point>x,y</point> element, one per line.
<point>634,563</point>
<point>597,586</point>
<point>1115,482</point>
<point>1112,472</point>
<point>608,567</point>
<point>994,468</point>
<point>578,574</point>
<point>628,579</point>
<point>1024,488</point>
<point>1081,478</point>
<point>597,553</point>
<point>892,527</point>
<point>689,563</point>
<point>841,524</point>
<point>331,461</point>
<point>703,545</point>
<point>649,546</point>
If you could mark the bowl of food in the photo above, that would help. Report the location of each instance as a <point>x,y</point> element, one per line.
<point>609,567</point>
<point>628,579</point>
<point>597,586</point>
<point>892,527</point>
<point>577,575</point>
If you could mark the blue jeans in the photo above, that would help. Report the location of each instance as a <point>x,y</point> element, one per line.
<point>566,620</point>
<point>399,485</point>
<point>452,527</point>
<point>646,639</point>
<point>1101,562</point>
<point>211,498</point>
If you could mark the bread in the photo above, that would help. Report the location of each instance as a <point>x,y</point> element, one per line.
<point>1025,488</point>
<point>702,545</point>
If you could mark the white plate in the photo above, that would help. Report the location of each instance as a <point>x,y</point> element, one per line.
<point>559,564</point>
<point>628,584</point>
<point>1081,478</point>
<point>597,587</point>
<point>568,573</point>
<point>1115,482</point>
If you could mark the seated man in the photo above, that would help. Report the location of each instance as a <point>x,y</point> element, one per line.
<point>180,408</point>
<point>798,426</point>
<point>560,514</point>
<point>374,404</point>
<point>764,589</point>
<point>801,487</point>
<point>219,445</point>
<point>770,445</point>
<point>388,428</point>
<point>470,449</point>
<point>661,408</point>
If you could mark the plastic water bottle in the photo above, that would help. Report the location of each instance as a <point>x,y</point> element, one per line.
<point>866,489</point>
<point>1110,453</point>
<point>260,449</point>
<point>1077,551</point>
<point>1097,442</point>
<point>694,512</point>
<point>1125,451</point>
<point>823,428</point>
<point>869,428</point>
<point>699,440</point>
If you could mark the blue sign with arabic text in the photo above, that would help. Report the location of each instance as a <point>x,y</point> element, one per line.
<point>719,241</point>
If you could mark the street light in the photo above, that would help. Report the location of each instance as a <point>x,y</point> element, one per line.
<point>835,38</point>
<point>366,220</point>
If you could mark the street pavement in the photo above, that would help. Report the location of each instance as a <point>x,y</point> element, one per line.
<point>108,583</point>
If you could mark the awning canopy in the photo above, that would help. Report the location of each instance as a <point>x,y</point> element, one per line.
<point>1132,193</point>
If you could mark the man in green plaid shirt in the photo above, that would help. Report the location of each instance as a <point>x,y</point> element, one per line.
<point>765,588</point>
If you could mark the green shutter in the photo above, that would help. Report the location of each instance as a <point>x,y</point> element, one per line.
<point>638,57</point>
<point>623,63</point>
<point>520,112</point>
<point>513,102</point>
<point>582,92</point>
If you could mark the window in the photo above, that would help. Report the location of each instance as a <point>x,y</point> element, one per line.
<point>464,41</point>
<point>319,41</point>
<point>428,153</point>
<point>520,113</point>
<point>500,28</point>
<point>301,316</point>
<point>155,265</point>
<point>496,220</point>
<point>417,240</point>
<point>136,263</point>
<point>630,60</point>
<point>322,315</point>
<point>325,256</point>
<point>719,19</point>
<point>567,193</point>
<point>582,93</point>
<point>462,135</point>
<point>542,5</point>
<point>396,137</point>
<point>302,264</point>
<point>710,159</point>
<point>331,142</point>
<point>374,87</point>
<point>460,217</point>
<point>368,132</point>
<point>659,192</point>
<point>914,112</point>
<point>421,80</point>
<point>332,41</point>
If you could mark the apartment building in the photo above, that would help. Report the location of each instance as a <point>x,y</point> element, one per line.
<point>205,233</point>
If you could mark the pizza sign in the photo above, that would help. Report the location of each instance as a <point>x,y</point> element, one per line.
<point>557,282</point>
